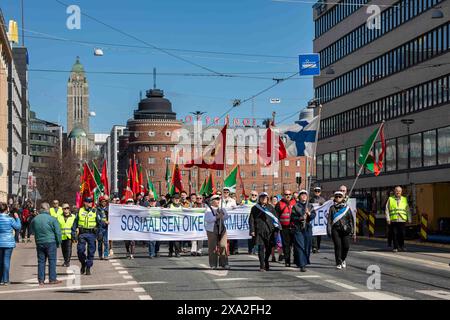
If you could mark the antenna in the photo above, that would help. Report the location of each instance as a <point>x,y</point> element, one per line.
<point>154,78</point>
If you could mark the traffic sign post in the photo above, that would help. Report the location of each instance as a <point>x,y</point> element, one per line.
<point>309,64</point>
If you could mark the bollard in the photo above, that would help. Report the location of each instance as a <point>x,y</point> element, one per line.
<point>424,226</point>
<point>372,224</point>
<point>361,217</point>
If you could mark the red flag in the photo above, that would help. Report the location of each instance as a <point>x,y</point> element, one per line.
<point>135,179</point>
<point>269,149</point>
<point>242,182</point>
<point>214,156</point>
<point>176,179</point>
<point>141,180</point>
<point>128,193</point>
<point>378,165</point>
<point>88,183</point>
<point>104,178</point>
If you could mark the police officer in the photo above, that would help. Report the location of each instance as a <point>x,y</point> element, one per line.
<point>66,221</point>
<point>102,237</point>
<point>85,228</point>
<point>397,214</point>
<point>317,199</point>
<point>56,210</point>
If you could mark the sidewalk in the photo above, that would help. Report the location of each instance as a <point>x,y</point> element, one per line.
<point>105,283</point>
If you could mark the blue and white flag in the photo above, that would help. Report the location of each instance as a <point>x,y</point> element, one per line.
<point>300,138</point>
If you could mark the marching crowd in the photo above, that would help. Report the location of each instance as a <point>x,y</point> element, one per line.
<point>277,224</point>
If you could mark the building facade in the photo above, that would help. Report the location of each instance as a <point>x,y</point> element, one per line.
<point>396,72</point>
<point>150,138</point>
<point>5,62</point>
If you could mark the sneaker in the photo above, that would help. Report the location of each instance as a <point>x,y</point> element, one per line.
<point>170,255</point>
<point>318,250</point>
<point>395,250</point>
<point>262,270</point>
<point>177,255</point>
<point>280,258</point>
<point>101,258</point>
<point>41,283</point>
<point>150,257</point>
<point>105,258</point>
<point>314,250</point>
<point>28,241</point>
<point>339,266</point>
<point>131,257</point>
<point>302,269</point>
<point>55,282</point>
<point>287,265</point>
<point>2,283</point>
<point>344,265</point>
<point>403,249</point>
<point>273,259</point>
<point>23,241</point>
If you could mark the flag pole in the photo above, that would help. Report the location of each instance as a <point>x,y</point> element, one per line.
<point>309,178</point>
<point>362,166</point>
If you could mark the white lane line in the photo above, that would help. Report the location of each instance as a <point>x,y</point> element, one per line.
<point>116,264</point>
<point>248,298</point>
<point>376,295</point>
<point>340,284</point>
<point>123,272</point>
<point>232,279</point>
<point>127,277</point>
<point>83,287</point>
<point>146,297</point>
<point>139,290</point>
<point>119,268</point>
<point>113,260</point>
<point>219,273</point>
<point>421,262</point>
<point>253,257</point>
<point>308,276</point>
<point>441,294</point>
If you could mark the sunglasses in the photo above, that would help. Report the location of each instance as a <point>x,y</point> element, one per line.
<point>66,208</point>
<point>338,196</point>
<point>254,195</point>
<point>288,194</point>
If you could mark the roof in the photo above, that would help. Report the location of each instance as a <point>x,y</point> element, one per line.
<point>77,133</point>
<point>77,67</point>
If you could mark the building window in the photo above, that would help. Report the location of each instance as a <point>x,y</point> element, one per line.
<point>391,155</point>
<point>147,149</point>
<point>151,160</point>
<point>242,174</point>
<point>151,173</point>
<point>163,148</point>
<point>286,163</point>
<point>168,133</point>
<point>444,145</point>
<point>319,167</point>
<point>287,174</point>
<point>402,153</point>
<point>298,163</point>
<point>151,133</point>
<point>429,148</point>
<point>334,165</point>
<point>351,162</point>
<point>342,163</point>
<point>167,160</point>
<point>326,166</point>
<point>416,150</point>
<point>254,186</point>
<point>155,148</point>
<point>218,173</point>
<point>253,173</point>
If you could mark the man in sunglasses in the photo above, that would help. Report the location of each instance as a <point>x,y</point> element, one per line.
<point>227,202</point>
<point>253,200</point>
<point>283,210</point>
<point>66,221</point>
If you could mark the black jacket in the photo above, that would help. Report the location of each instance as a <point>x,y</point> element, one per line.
<point>298,217</point>
<point>346,222</point>
<point>261,224</point>
<point>318,199</point>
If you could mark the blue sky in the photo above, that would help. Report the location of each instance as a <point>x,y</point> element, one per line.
<point>240,26</point>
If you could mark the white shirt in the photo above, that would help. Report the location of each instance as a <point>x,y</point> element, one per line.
<point>210,219</point>
<point>228,203</point>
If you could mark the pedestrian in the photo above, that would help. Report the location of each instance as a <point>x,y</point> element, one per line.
<point>56,210</point>
<point>15,209</point>
<point>47,235</point>
<point>216,233</point>
<point>197,245</point>
<point>115,200</point>
<point>85,230</point>
<point>250,202</point>
<point>302,214</point>
<point>317,199</point>
<point>274,201</point>
<point>340,228</point>
<point>295,196</point>
<point>130,245</point>
<point>66,221</point>
<point>175,246</point>
<point>263,224</point>
<point>7,241</point>
<point>283,210</point>
<point>227,202</point>
<point>26,218</point>
<point>397,215</point>
<point>153,246</point>
<point>102,235</point>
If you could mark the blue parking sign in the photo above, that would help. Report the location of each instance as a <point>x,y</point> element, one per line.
<point>309,64</point>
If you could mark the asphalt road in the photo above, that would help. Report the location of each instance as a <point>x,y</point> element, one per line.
<point>420,273</point>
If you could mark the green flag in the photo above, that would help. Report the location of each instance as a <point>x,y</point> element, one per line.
<point>167,177</point>
<point>171,189</point>
<point>209,186</point>
<point>202,188</point>
<point>367,157</point>
<point>98,180</point>
<point>151,187</point>
<point>230,181</point>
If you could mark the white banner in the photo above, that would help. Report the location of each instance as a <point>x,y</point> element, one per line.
<point>320,221</point>
<point>129,222</point>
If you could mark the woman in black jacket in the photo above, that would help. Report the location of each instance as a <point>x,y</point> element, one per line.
<point>263,224</point>
<point>340,227</point>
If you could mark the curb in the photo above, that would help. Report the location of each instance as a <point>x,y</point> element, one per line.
<point>418,243</point>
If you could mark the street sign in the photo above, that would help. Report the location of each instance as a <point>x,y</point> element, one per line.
<point>309,64</point>
<point>275,100</point>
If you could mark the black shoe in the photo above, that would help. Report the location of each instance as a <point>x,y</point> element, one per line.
<point>88,271</point>
<point>280,258</point>
<point>170,255</point>
<point>177,255</point>
<point>314,250</point>
<point>288,264</point>
<point>274,259</point>
<point>226,267</point>
<point>83,269</point>
<point>302,269</point>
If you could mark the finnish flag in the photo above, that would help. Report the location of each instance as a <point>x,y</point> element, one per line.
<point>300,138</point>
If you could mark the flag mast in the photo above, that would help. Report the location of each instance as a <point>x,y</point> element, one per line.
<point>309,178</point>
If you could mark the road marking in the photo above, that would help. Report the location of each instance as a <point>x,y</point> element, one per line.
<point>248,298</point>
<point>116,264</point>
<point>253,257</point>
<point>219,273</point>
<point>232,279</point>
<point>146,297</point>
<point>123,272</point>
<point>340,284</point>
<point>119,268</point>
<point>432,264</point>
<point>376,295</point>
<point>441,294</point>
<point>308,276</point>
<point>113,260</point>
<point>93,286</point>
<point>127,277</point>
<point>138,290</point>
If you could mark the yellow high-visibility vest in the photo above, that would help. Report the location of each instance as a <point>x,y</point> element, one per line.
<point>66,226</point>
<point>396,211</point>
<point>87,219</point>
<point>55,213</point>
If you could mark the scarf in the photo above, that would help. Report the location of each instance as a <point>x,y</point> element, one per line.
<point>275,221</point>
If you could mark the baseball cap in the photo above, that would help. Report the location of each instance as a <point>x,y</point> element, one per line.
<point>303,191</point>
<point>263,194</point>
<point>88,199</point>
<point>339,193</point>
<point>214,197</point>
<point>317,189</point>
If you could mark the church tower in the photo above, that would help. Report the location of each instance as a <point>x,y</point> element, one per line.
<point>78,99</point>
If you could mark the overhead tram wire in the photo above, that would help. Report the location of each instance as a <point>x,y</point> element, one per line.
<point>146,43</point>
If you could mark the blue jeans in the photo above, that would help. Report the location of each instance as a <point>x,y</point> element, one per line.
<point>5,262</point>
<point>46,251</point>
<point>103,243</point>
<point>153,248</point>
<point>83,240</point>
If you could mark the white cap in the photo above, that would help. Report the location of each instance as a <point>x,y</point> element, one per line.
<point>318,188</point>
<point>214,197</point>
<point>130,200</point>
<point>303,191</point>
<point>339,193</point>
<point>263,194</point>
